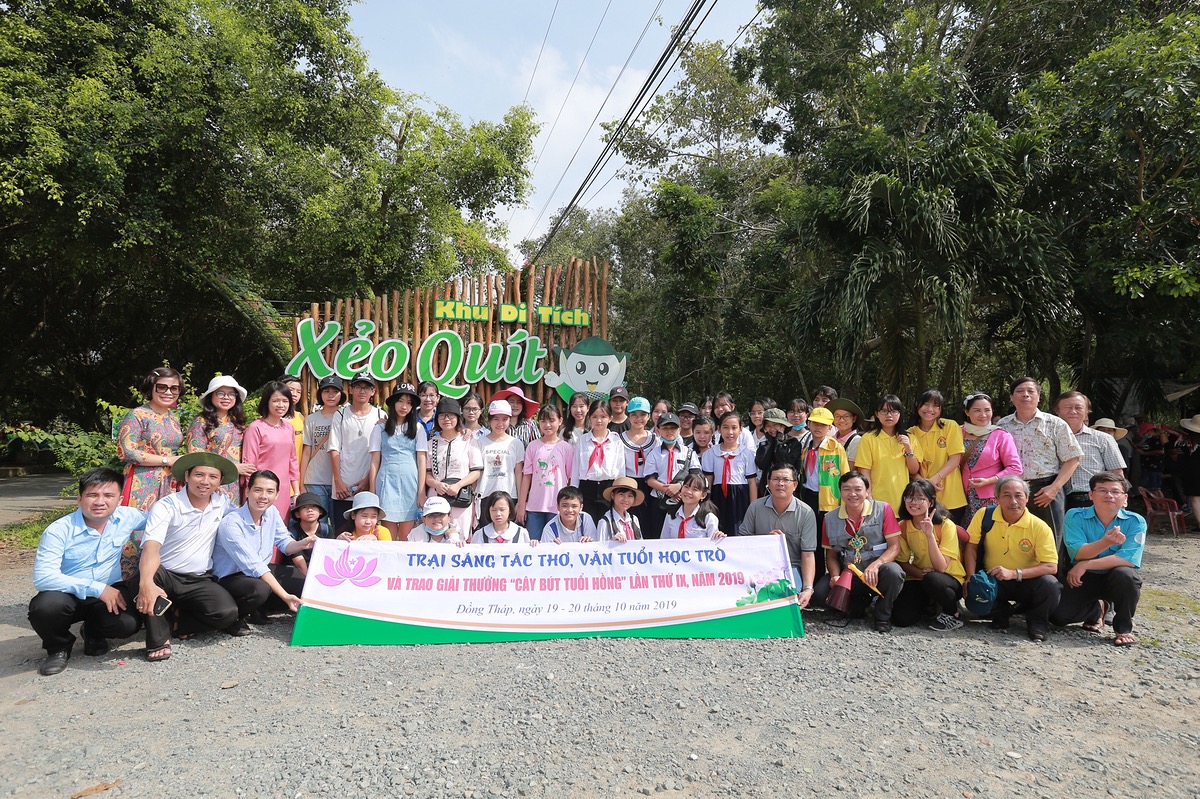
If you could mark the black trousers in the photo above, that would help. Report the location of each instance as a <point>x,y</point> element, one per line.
<point>594,503</point>
<point>643,513</point>
<point>1121,586</point>
<point>201,602</point>
<point>1077,499</point>
<point>252,593</point>
<point>1052,514</point>
<point>891,580</point>
<point>1037,598</point>
<point>51,614</point>
<point>935,587</point>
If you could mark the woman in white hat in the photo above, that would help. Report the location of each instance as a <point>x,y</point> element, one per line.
<point>220,427</point>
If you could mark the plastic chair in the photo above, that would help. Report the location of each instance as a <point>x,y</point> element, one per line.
<point>1159,507</point>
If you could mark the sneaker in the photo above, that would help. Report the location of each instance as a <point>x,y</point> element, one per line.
<point>944,623</point>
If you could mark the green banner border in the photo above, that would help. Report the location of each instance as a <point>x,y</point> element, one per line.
<point>320,627</point>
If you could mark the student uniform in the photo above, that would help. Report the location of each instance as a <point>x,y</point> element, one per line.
<point>665,464</point>
<point>678,525</point>
<point>730,474</point>
<point>556,528</point>
<point>597,463</point>
<point>611,522</point>
<point>637,466</point>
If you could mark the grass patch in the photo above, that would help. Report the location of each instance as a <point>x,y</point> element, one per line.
<point>1181,608</point>
<point>26,534</point>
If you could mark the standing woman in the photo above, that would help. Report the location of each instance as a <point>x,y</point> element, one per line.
<point>887,457</point>
<point>429,395</point>
<point>394,475</point>
<point>847,425</point>
<point>220,427</point>
<point>295,387</point>
<point>598,461</point>
<point>453,464</point>
<point>270,442</point>
<point>149,438</point>
<point>472,407</point>
<point>523,426</point>
<point>990,453</point>
<point>576,421</point>
<point>941,445</point>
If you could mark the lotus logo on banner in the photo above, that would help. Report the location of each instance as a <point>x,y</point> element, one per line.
<point>357,571</point>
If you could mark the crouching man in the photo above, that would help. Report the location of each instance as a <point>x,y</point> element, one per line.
<point>177,552</point>
<point>1105,543</point>
<point>77,572</point>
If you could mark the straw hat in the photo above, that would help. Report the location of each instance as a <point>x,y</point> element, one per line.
<point>625,482</point>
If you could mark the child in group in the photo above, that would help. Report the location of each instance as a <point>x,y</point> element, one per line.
<point>598,460</point>
<point>571,525</point>
<point>503,457</point>
<point>472,408</point>
<point>704,430</point>
<point>575,424</point>
<point>822,464</point>
<point>395,476</point>
<point>314,462</point>
<point>502,529</point>
<point>776,447</point>
<point>687,416</point>
<point>452,463</point>
<point>522,410</point>
<point>731,473</point>
<point>308,521</point>
<point>722,405</point>
<point>546,472</point>
<point>929,555</point>
<point>886,455</point>
<point>638,443</point>
<point>696,517</point>
<point>660,407</point>
<point>941,444</point>
<point>706,407</point>
<point>618,524</point>
<point>797,416</point>
<point>757,408</point>
<point>365,514</point>
<point>670,461</point>
<point>436,526</point>
<point>618,409</point>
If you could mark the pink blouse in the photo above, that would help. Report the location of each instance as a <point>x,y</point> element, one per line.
<point>270,447</point>
<point>999,458</point>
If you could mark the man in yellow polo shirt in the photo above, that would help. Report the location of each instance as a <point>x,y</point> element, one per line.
<point>1019,551</point>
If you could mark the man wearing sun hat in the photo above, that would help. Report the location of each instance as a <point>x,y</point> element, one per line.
<point>176,562</point>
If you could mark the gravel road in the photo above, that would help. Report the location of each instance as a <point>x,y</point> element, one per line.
<point>841,712</point>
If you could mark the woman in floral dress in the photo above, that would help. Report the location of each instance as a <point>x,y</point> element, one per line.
<point>219,428</point>
<point>149,438</point>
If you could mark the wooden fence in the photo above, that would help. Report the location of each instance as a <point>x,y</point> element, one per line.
<point>409,316</point>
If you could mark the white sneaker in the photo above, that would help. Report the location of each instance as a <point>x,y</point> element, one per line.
<point>944,623</point>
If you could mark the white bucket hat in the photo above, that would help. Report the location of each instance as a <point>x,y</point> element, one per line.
<point>224,381</point>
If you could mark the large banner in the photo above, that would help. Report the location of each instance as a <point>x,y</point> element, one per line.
<point>382,592</point>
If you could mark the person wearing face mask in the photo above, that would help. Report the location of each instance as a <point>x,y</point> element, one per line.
<point>667,463</point>
<point>436,526</point>
<point>1100,451</point>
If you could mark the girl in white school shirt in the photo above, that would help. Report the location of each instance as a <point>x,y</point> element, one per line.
<point>696,516</point>
<point>502,529</point>
<point>639,443</point>
<point>618,524</point>
<point>730,470</point>
<point>598,460</point>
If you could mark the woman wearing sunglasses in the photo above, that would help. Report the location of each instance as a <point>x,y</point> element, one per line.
<point>149,438</point>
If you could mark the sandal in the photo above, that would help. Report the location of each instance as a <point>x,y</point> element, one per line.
<point>161,653</point>
<point>1097,625</point>
<point>1125,639</point>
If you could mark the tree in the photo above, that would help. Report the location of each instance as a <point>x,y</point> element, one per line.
<point>167,166</point>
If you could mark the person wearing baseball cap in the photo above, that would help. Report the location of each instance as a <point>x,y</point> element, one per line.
<point>687,414</point>
<point>618,408</point>
<point>822,465</point>
<point>349,445</point>
<point>315,468</point>
<point>436,525</point>
<point>503,455</point>
<point>523,411</point>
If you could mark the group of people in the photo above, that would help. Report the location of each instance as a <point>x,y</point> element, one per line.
<point>212,529</point>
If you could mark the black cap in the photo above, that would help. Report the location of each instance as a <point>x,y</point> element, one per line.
<point>620,392</point>
<point>667,418</point>
<point>362,377</point>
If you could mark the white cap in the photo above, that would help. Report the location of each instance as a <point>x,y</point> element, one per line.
<point>435,505</point>
<point>499,408</point>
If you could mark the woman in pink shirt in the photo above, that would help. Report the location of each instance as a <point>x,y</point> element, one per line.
<point>990,454</point>
<point>270,442</point>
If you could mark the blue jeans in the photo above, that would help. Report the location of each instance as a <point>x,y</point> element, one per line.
<point>535,522</point>
<point>326,495</point>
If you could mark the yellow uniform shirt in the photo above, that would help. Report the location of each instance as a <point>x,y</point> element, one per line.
<point>936,447</point>
<point>914,548</point>
<point>884,456</point>
<point>1017,546</point>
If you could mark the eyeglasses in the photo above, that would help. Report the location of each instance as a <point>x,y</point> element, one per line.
<point>784,480</point>
<point>1109,492</point>
<point>167,388</point>
<point>843,417</point>
<point>225,394</point>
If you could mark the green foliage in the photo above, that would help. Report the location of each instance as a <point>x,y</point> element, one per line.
<point>27,534</point>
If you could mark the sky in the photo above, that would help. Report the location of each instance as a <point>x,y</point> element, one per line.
<point>478,57</point>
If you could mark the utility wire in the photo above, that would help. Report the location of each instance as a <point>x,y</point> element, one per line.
<point>636,107</point>
<point>592,124</point>
<point>539,55</point>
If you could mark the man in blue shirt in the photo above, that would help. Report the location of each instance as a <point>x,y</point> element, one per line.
<point>1105,543</point>
<point>77,573</point>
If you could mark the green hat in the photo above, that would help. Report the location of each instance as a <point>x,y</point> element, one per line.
<point>229,469</point>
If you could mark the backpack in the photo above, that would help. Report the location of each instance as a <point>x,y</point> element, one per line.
<point>982,589</point>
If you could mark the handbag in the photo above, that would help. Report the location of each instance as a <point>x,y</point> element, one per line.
<point>465,497</point>
<point>982,589</point>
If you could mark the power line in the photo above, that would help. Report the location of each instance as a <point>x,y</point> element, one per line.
<point>673,46</point>
<point>592,124</point>
<point>539,55</point>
